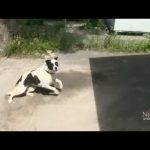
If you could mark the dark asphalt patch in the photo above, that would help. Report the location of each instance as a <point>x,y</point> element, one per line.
<point>122,92</point>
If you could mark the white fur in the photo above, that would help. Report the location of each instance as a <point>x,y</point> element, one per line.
<point>45,82</point>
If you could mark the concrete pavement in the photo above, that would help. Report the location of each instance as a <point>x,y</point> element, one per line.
<point>102,92</point>
<point>73,110</point>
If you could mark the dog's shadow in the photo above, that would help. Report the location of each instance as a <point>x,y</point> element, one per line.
<point>40,90</point>
<point>44,91</point>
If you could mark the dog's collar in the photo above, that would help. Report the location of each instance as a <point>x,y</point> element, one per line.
<point>49,72</point>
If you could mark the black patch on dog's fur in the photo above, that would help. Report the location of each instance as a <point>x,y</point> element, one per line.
<point>56,63</point>
<point>30,80</point>
<point>19,80</point>
<point>49,64</point>
<point>36,80</point>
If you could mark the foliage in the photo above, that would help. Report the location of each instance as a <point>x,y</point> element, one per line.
<point>33,37</point>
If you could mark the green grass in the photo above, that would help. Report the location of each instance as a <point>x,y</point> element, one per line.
<point>34,47</point>
<point>114,43</point>
<point>94,42</point>
<point>65,42</point>
<point>34,40</point>
<point>68,42</point>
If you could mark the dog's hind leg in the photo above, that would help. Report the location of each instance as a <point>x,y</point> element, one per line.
<point>30,90</point>
<point>18,90</point>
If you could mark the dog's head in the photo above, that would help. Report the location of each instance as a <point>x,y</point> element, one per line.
<point>51,63</point>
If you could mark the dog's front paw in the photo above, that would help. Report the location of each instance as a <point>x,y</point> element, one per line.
<point>56,93</point>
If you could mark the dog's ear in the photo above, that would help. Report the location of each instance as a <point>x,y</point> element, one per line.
<point>56,58</point>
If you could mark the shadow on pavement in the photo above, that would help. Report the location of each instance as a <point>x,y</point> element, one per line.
<point>122,92</point>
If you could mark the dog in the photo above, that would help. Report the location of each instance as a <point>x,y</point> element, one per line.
<point>41,77</point>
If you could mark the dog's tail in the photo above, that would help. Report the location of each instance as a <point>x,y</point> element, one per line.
<point>9,93</point>
<point>19,80</point>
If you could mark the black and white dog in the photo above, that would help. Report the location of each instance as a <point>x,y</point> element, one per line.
<point>41,77</point>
